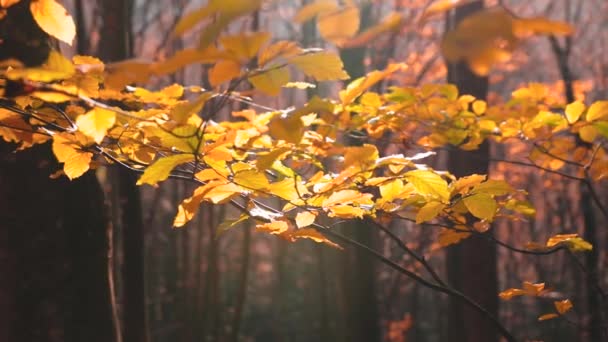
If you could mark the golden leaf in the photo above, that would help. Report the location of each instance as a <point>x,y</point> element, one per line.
<point>481,205</point>
<point>322,66</point>
<point>313,9</point>
<point>574,111</point>
<point>450,236</point>
<point>305,219</point>
<point>429,211</point>
<point>597,110</point>
<point>270,81</point>
<point>339,25</point>
<point>429,184</point>
<point>548,316</point>
<point>54,19</point>
<point>75,161</point>
<point>95,123</point>
<point>161,169</point>
<point>309,233</point>
<point>245,46</point>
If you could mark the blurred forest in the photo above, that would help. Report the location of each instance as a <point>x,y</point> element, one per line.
<point>207,282</point>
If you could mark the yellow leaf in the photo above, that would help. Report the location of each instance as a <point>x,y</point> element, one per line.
<point>429,184</point>
<point>462,185</point>
<point>245,46</point>
<point>574,111</point>
<point>76,162</point>
<point>251,179</point>
<point>429,211</point>
<point>305,219</point>
<point>309,233</point>
<point>54,19</point>
<point>362,84</point>
<point>313,9</point>
<point>481,205</point>
<point>450,236</point>
<point>275,227</point>
<point>95,123</point>
<point>228,9</point>
<point>493,187</point>
<point>270,81</point>
<point>348,197</point>
<point>391,190</point>
<point>597,110</point>
<point>286,189</point>
<point>221,193</point>
<point>161,169</point>
<point>289,128</point>
<point>588,133</point>
<point>223,71</point>
<point>563,306</point>
<point>339,25</point>
<point>280,49</point>
<point>182,111</point>
<point>548,316</point>
<point>479,107</point>
<point>322,66</point>
<point>56,67</point>
<point>572,241</point>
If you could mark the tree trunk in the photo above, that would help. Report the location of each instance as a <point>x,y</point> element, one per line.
<point>53,252</point>
<point>53,241</point>
<point>361,321</point>
<point>472,263</point>
<point>115,45</point>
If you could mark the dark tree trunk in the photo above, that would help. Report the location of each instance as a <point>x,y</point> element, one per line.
<point>115,45</point>
<point>53,252</point>
<point>53,241</point>
<point>472,263</point>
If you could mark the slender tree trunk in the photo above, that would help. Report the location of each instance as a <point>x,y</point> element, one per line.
<point>471,264</point>
<point>114,45</point>
<point>361,310</point>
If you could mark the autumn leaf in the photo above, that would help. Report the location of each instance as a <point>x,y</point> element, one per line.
<point>305,219</point>
<point>54,19</point>
<point>563,306</point>
<point>429,184</point>
<point>597,110</point>
<point>322,66</point>
<point>76,161</point>
<point>161,168</point>
<point>548,316</point>
<point>481,205</point>
<point>429,211</point>
<point>452,236</point>
<point>574,111</point>
<point>270,81</point>
<point>309,233</point>
<point>572,241</point>
<point>339,25</point>
<point>96,123</point>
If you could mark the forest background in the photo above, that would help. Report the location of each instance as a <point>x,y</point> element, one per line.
<point>222,278</point>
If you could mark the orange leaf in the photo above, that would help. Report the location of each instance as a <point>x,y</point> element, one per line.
<point>563,306</point>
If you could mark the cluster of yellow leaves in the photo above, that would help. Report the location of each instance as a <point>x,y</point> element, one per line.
<point>291,155</point>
